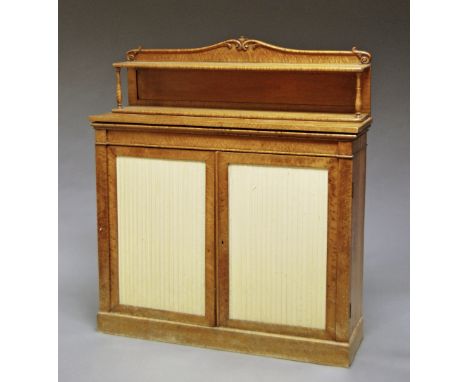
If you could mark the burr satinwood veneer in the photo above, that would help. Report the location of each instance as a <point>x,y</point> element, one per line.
<point>230,198</point>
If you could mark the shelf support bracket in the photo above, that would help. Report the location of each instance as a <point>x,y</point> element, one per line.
<point>118,90</point>
<point>358,103</point>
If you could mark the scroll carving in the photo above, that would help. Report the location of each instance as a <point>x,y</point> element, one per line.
<point>242,44</point>
<point>257,51</point>
<point>364,57</point>
<point>131,54</point>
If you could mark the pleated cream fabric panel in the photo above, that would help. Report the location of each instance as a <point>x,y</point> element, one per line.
<point>278,245</point>
<point>161,234</point>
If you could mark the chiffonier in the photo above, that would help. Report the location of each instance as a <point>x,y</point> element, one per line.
<point>230,198</point>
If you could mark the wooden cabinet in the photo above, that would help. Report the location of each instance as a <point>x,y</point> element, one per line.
<point>231,199</point>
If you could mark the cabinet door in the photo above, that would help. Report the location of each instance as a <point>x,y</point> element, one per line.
<point>277,225</point>
<point>161,209</point>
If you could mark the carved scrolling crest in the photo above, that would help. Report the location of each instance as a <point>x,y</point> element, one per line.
<point>242,44</point>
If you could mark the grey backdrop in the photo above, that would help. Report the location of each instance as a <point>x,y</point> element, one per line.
<point>95,33</point>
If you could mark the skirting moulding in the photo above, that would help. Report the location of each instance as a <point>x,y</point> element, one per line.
<point>230,199</point>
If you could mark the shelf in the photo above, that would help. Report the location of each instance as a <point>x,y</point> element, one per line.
<point>241,113</point>
<point>271,84</point>
<point>249,66</point>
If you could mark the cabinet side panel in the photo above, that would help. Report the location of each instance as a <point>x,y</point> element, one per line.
<point>278,245</point>
<point>103,227</point>
<point>161,234</point>
<point>359,180</point>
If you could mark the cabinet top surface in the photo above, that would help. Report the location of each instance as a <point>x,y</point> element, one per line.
<point>236,119</point>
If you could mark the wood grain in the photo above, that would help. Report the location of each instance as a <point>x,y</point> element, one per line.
<point>257,282</point>
<point>249,74</point>
<point>241,113</point>
<point>241,143</point>
<point>246,50</point>
<point>279,346</point>
<point>357,256</point>
<point>315,92</point>
<point>225,118</point>
<point>242,66</point>
<point>102,227</point>
<point>343,265</point>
